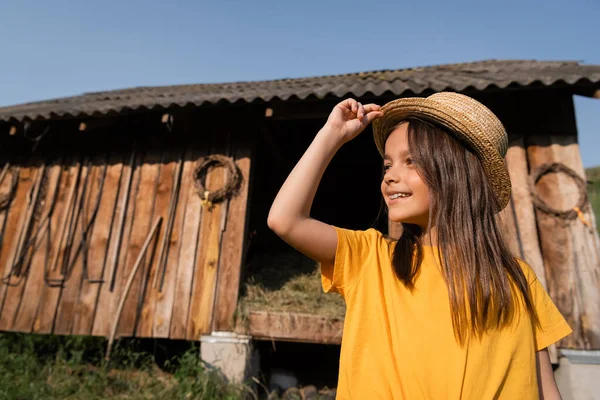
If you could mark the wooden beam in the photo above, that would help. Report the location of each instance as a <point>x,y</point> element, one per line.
<point>295,328</point>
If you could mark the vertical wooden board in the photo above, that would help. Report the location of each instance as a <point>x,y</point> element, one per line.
<point>5,189</point>
<point>234,239</point>
<point>142,223</point>
<point>117,246</point>
<point>164,190</point>
<point>63,323</point>
<point>518,170</point>
<point>165,299</point>
<point>25,316</point>
<point>508,227</point>
<point>14,220</point>
<point>208,253</point>
<point>189,239</point>
<point>49,296</point>
<point>98,247</point>
<point>13,293</point>
<point>556,240</point>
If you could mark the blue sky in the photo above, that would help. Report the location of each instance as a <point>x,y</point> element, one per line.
<point>59,48</point>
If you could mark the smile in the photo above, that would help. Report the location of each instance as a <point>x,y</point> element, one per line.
<point>399,195</point>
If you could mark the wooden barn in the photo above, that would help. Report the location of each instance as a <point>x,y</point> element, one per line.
<point>97,186</point>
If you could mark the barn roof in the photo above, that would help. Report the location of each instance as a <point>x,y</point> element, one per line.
<point>475,76</point>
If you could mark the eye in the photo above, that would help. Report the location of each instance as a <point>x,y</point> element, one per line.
<point>386,167</point>
<point>409,161</point>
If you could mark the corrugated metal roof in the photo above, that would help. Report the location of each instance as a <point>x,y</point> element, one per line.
<point>477,76</point>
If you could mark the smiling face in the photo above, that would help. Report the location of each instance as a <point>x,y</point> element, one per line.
<point>405,193</point>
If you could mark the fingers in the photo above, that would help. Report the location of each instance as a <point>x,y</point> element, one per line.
<point>360,113</point>
<point>372,116</point>
<point>350,104</point>
<point>370,111</point>
<point>371,107</point>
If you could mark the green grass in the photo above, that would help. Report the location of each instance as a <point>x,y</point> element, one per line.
<point>51,367</point>
<point>593,177</point>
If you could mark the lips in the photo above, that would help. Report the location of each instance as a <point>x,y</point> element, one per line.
<point>397,197</point>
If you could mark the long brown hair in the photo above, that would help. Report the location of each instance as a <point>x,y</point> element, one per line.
<point>479,269</point>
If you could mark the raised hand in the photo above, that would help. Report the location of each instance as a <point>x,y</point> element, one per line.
<point>349,118</point>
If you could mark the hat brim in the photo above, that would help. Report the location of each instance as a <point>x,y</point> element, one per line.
<point>461,125</point>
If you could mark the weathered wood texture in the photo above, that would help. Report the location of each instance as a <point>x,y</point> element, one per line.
<point>569,248</point>
<point>92,210</point>
<point>209,249</point>
<point>518,222</point>
<point>232,250</point>
<point>193,214</point>
<point>25,316</point>
<point>294,327</point>
<point>14,236</point>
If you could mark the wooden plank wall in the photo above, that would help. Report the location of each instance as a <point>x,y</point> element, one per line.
<point>117,186</point>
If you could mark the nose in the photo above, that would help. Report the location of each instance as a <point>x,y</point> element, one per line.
<point>392,175</point>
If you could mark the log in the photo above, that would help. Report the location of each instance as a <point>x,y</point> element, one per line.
<point>521,207</point>
<point>569,248</point>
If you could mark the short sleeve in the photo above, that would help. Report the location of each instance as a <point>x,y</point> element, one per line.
<point>553,326</point>
<point>353,249</point>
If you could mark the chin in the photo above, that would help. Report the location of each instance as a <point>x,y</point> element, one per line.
<point>402,217</point>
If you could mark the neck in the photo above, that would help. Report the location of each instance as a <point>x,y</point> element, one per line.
<point>429,236</point>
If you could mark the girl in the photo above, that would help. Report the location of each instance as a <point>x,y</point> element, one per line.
<point>445,311</point>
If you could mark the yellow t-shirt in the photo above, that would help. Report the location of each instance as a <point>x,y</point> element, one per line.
<point>399,344</point>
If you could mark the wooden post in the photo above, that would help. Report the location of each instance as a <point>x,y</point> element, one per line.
<point>569,248</point>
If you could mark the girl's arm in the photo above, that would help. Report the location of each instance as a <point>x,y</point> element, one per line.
<point>545,374</point>
<point>289,217</point>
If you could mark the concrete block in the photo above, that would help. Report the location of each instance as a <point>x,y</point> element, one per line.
<point>231,353</point>
<point>578,374</point>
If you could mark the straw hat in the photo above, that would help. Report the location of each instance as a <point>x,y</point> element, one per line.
<point>468,119</point>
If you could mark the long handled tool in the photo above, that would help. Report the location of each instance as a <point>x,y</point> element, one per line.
<point>136,266</point>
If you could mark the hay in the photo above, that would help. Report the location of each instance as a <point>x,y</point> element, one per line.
<point>288,282</point>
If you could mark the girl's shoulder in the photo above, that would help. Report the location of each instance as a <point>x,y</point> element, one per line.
<point>527,270</point>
